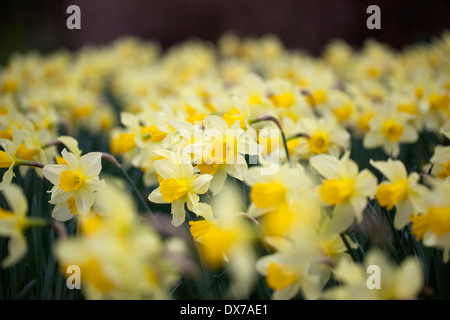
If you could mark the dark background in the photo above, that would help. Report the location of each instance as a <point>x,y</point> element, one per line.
<point>309,25</point>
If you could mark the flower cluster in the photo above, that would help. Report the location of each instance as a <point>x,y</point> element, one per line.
<point>272,159</point>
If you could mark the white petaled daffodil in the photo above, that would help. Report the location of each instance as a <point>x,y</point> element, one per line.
<point>389,128</point>
<point>344,187</point>
<point>8,157</point>
<point>402,191</point>
<point>394,282</point>
<point>75,181</point>
<point>222,149</point>
<point>179,184</point>
<point>14,222</point>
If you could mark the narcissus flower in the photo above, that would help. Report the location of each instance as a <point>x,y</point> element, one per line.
<point>13,223</point>
<point>225,238</point>
<point>433,225</point>
<point>344,187</point>
<point>75,182</point>
<point>401,191</point>
<point>389,281</point>
<point>179,185</point>
<point>389,128</point>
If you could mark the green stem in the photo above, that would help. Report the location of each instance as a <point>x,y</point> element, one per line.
<point>278,124</point>
<point>397,237</point>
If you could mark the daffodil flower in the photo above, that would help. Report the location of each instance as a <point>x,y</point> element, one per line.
<point>389,128</point>
<point>222,151</point>
<point>344,187</point>
<point>179,185</point>
<point>392,282</point>
<point>8,157</point>
<point>225,238</point>
<point>14,222</point>
<point>402,191</point>
<point>75,182</point>
<point>432,226</point>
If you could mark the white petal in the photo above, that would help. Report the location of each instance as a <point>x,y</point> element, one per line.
<point>217,123</point>
<point>200,184</point>
<point>71,160</point>
<point>84,199</point>
<point>156,196</point>
<point>404,209</point>
<point>178,212</point>
<point>373,139</point>
<point>408,280</point>
<point>167,169</point>
<point>326,165</point>
<point>218,181</point>
<point>70,143</point>
<point>204,210</point>
<point>393,170</point>
<point>16,199</point>
<point>343,217</point>
<point>17,248</point>
<point>52,172</point>
<point>192,200</point>
<point>91,164</point>
<point>62,213</point>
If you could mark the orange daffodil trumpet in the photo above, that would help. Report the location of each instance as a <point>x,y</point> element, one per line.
<point>75,183</point>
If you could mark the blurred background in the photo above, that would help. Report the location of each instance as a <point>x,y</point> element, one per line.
<point>309,25</point>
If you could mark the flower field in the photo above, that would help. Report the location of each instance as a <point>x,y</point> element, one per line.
<point>239,169</point>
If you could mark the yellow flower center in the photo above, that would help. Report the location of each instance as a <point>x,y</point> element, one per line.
<point>5,160</point>
<point>156,135</point>
<point>70,180</point>
<point>207,168</point>
<point>123,143</point>
<point>389,194</point>
<point>265,195</point>
<point>254,99</point>
<point>364,120</point>
<point>318,142</point>
<point>336,191</point>
<point>393,130</point>
<point>284,100</point>
<point>291,145</point>
<point>26,154</point>
<point>92,273</point>
<point>445,172</point>
<point>215,240</point>
<point>279,277</point>
<point>407,108</point>
<point>277,222</point>
<point>233,116</point>
<point>440,102</point>
<point>317,97</point>
<point>436,219</point>
<point>343,113</point>
<point>172,189</point>
<point>71,204</point>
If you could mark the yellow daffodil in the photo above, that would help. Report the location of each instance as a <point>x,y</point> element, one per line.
<point>389,128</point>
<point>74,182</point>
<point>344,187</point>
<point>13,223</point>
<point>432,226</point>
<point>390,281</point>
<point>401,191</point>
<point>179,185</point>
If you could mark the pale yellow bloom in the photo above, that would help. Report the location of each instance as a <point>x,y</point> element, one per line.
<point>344,187</point>
<point>13,223</point>
<point>75,182</point>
